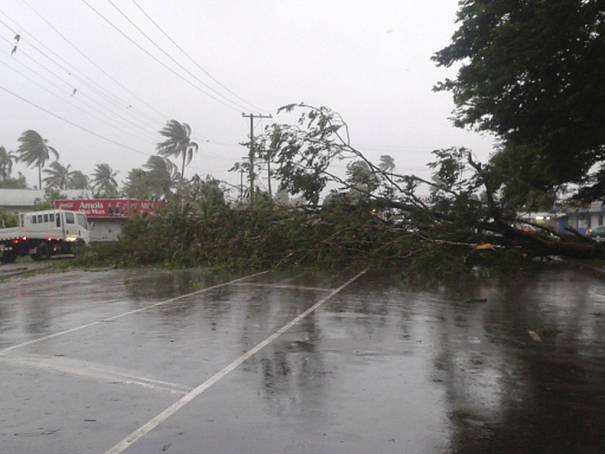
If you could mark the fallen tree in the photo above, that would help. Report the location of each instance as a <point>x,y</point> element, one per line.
<point>458,220</point>
<point>464,203</point>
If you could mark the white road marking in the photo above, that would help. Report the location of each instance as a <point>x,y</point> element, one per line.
<point>195,392</point>
<point>293,278</point>
<point>124,314</point>
<point>285,286</point>
<point>94,371</point>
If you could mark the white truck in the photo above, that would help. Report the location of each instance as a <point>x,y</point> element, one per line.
<point>41,234</point>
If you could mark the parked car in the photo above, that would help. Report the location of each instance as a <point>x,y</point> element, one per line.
<point>597,233</point>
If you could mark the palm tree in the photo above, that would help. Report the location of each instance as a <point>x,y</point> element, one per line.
<point>6,163</point>
<point>77,180</point>
<point>162,174</point>
<point>178,143</point>
<point>138,185</point>
<point>387,163</point>
<point>35,151</point>
<point>59,176</point>
<point>104,180</point>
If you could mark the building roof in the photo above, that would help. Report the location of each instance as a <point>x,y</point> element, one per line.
<point>18,198</point>
<point>597,206</point>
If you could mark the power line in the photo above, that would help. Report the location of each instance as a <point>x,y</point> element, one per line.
<point>160,62</point>
<point>100,92</point>
<point>96,103</point>
<point>192,59</point>
<point>69,69</point>
<point>93,114</point>
<point>76,125</point>
<point>92,62</point>
<point>176,62</point>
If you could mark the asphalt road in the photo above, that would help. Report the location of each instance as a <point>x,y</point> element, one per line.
<point>192,362</point>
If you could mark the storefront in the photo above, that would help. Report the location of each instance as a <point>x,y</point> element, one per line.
<point>108,216</point>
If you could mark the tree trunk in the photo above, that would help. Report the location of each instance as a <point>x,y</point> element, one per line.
<point>183,173</point>
<point>39,176</point>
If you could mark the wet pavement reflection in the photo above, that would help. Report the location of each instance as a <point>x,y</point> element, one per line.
<point>511,365</point>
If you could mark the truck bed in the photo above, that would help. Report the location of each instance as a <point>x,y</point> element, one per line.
<point>20,232</point>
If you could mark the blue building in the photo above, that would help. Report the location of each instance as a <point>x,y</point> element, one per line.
<point>585,217</point>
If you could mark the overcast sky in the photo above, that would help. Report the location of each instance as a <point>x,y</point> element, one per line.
<point>370,60</point>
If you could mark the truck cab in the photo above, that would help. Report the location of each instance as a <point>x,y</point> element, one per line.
<point>70,226</point>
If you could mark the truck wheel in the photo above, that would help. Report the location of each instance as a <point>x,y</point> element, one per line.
<point>42,252</point>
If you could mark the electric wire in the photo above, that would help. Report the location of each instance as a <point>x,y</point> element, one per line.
<point>83,128</point>
<point>100,92</point>
<point>81,94</point>
<point>176,62</point>
<point>83,54</point>
<point>191,59</point>
<point>156,59</point>
<point>69,69</point>
<point>62,98</point>
<point>76,125</point>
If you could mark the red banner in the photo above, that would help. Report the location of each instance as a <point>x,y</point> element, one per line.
<point>109,208</point>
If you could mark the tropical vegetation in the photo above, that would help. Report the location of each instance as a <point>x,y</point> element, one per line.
<point>104,181</point>
<point>177,143</point>
<point>35,151</point>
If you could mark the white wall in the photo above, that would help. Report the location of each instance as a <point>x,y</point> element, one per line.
<point>104,231</point>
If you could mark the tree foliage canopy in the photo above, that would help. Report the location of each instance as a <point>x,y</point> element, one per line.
<point>177,142</point>
<point>155,180</point>
<point>34,151</point>
<point>533,72</point>
<point>104,181</point>
<point>59,175</point>
<point>7,159</point>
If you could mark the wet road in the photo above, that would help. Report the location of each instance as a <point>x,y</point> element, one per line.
<point>188,362</point>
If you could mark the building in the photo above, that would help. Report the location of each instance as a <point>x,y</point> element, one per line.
<point>551,220</point>
<point>108,216</point>
<point>585,217</point>
<point>26,199</point>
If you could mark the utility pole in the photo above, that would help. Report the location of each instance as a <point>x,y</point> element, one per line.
<point>251,154</point>
<point>269,177</point>
<point>241,186</point>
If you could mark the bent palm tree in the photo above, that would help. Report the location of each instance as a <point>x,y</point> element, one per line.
<point>6,163</point>
<point>138,185</point>
<point>178,143</point>
<point>58,175</point>
<point>77,180</point>
<point>104,180</point>
<point>387,163</point>
<point>34,151</point>
<point>162,174</point>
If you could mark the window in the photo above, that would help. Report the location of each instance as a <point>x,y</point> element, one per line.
<point>46,218</point>
<point>39,219</point>
<point>82,221</point>
<point>58,220</point>
<point>69,218</point>
<point>51,217</point>
<point>34,220</point>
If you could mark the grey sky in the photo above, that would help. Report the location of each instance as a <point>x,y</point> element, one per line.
<point>368,60</point>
